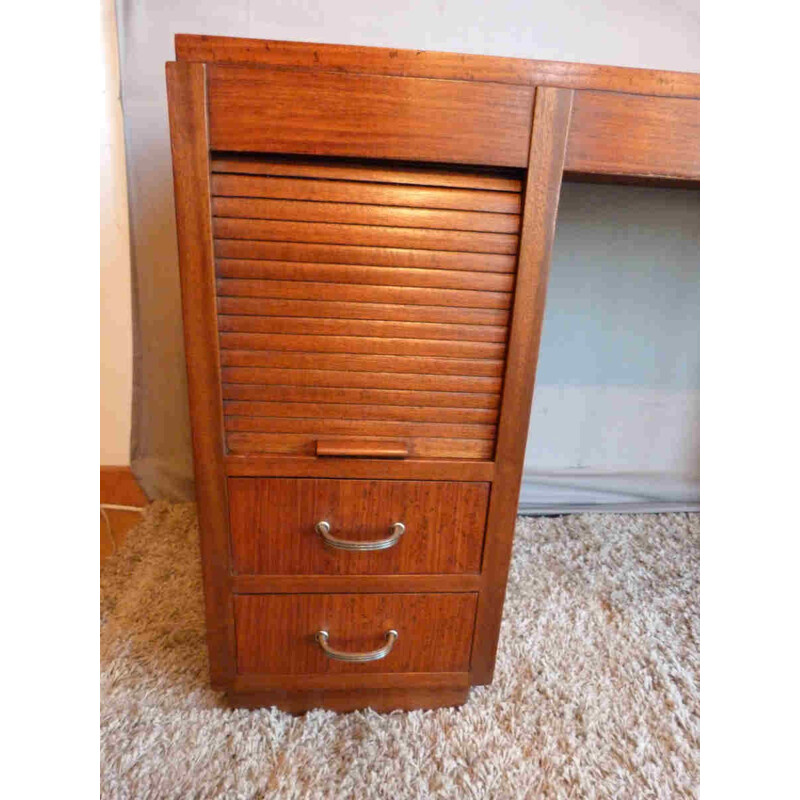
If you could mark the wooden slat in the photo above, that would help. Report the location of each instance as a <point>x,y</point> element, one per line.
<point>355,293</point>
<point>359,396</point>
<point>360,362</point>
<point>364,235</point>
<point>363,380</point>
<point>366,193</point>
<point>629,135</point>
<point>362,344</point>
<point>361,412</point>
<point>353,427</point>
<point>363,328</point>
<point>277,307</point>
<point>374,172</point>
<point>368,116</point>
<point>431,64</point>
<point>357,214</point>
<point>369,256</point>
<point>279,465</point>
<point>354,273</point>
<point>305,444</point>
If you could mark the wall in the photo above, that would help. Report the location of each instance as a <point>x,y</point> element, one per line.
<point>116,346</point>
<point>615,412</point>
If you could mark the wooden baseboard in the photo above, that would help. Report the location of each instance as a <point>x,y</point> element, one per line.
<point>119,486</point>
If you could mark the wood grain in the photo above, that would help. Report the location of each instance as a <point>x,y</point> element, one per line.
<point>273,519</point>
<point>367,329</point>
<point>362,412</point>
<point>628,135</point>
<point>360,447</point>
<point>359,427</point>
<point>432,64</point>
<point>306,444</point>
<point>369,256</point>
<point>275,633</point>
<point>363,344</point>
<point>357,584</point>
<point>387,312</point>
<point>368,116</point>
<point>189,137</point>
<point>355,273</point>
<point>364,235</point>
<point>359,293</point>
<point>363,214</point>
<point>365,380</point>
<point>367,171</point>
<point>277,465</point>
<point>361,362</point>
<point>548,146</point>
<point>283,393</point>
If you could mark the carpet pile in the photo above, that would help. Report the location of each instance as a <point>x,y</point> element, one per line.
<point>596,692</point>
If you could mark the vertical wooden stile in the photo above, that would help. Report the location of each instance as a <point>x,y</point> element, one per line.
<point>551,117</point>
<point>186,89</point>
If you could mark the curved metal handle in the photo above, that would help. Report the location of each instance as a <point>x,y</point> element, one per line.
<point>374,655</point>
<point>323,528</point>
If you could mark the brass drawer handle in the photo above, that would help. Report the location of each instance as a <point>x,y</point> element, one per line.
<point>374,655</point>
<point>323,528</point>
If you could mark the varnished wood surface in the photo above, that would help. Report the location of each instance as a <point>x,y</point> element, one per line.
<point>369,309</point>
<point>361,447</point>
<point>627,135</point>
<point>273,519</point>
<point>369,256</point>
<point>371,116</point>
<point>431,64</point>
<point>368,171</point>
<point>358,584</point>
<point>275,633</point>
<point>300,444</point>
<point>381,191</point>
<point>255,465</point>
<point>468,215</point>
<point>364,329</point>
<point>189,137</point>
<point>548,146</point>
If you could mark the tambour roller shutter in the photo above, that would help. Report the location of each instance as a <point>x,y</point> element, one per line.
<point>363,301</point>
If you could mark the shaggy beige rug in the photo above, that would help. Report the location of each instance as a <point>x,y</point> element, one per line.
<point>596,693</point>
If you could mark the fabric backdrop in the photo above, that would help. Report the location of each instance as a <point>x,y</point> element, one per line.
<point>616,410</point>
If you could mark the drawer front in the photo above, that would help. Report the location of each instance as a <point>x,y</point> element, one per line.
<point>365,303</point>
<point>274,526</point>
<point>276,634</point>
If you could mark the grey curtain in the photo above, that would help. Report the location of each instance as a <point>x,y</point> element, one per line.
<point>615,419</point>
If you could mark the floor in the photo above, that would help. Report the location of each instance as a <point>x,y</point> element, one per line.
<point>596,693</point>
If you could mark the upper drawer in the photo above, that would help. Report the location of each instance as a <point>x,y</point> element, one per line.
<point>274,526</point>
<point>363,301</point>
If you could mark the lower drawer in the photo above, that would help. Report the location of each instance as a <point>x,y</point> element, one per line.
<point>278,634</point>
<point>275,526</point>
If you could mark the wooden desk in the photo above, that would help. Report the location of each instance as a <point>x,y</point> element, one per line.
<point>364,240</point>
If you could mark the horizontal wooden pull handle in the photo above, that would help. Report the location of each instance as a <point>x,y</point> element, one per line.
<point>354,448</point>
